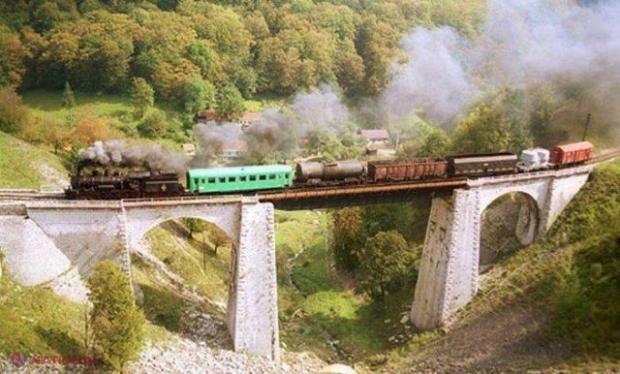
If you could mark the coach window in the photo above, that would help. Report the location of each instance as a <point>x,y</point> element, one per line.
<point>222,180</point>
<point>252,178</point>
<point>262,177</point>
<point>272,177</point>
<point>196,181</point>
<point>231,179</point>
<point>243,179</point>
<point>202,180</point>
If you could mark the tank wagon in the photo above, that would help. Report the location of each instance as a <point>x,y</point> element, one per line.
<point>312,172</point>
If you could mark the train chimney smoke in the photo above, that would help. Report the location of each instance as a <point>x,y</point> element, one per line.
<point>151,156</point>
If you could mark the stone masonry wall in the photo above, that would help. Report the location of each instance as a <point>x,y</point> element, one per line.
<point>255,322</point>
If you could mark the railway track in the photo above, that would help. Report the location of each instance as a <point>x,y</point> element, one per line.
<point>308,193</point>
<point>605,156</point>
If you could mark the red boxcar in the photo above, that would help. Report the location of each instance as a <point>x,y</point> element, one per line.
<point>407,170</point>
<point>571,154</point>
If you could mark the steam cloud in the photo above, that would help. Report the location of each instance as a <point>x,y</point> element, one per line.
<point>555,44</point>
<point>152,156</point>
<point>320,110</point>
<point>523,42</point>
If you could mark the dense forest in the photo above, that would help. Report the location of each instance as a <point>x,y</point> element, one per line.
<point>439,76</point>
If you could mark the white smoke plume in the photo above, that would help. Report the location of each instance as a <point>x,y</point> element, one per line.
<point>211,137</point>
<point>522,42</point>
<point>275,132</point>
<point>151,156</point>
<point>320,110</point>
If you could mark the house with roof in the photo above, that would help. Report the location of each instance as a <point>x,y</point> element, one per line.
<point>376,136</point>
<point>189,149</point>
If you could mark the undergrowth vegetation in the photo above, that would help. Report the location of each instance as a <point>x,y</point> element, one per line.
<point>587,297</point>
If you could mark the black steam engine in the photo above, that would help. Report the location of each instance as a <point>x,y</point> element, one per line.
<point>95,181</point>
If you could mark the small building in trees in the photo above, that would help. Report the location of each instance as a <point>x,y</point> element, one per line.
<point>248,119</point>
<point>376,136</point>
<point>189,149</point>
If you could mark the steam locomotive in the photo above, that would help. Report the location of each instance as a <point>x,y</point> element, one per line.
<point>120,181</point>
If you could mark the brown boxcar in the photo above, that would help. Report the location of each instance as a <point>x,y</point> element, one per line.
<point>571,154</point>
<point>407,170</point>
<point>481,164</point>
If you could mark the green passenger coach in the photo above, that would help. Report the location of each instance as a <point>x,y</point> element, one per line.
<point>243,178</point>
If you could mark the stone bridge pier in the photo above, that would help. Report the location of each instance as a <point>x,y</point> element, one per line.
<point>448,277</point>
<point>88,232</point>
<point>252,312</point>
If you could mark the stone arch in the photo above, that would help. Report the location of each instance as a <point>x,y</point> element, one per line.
<point>225,217</point>
<point>510,221</point>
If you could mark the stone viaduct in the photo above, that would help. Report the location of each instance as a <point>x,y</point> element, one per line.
<point>87,232</point>
<point>448,277</point>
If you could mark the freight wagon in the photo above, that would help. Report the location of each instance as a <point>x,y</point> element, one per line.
<point>481,164</point>
<point>407,170</point>
<point>571,154</point>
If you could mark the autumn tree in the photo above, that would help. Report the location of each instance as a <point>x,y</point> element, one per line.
<point>90,129</point>
<point>57,134</point>
<point>13,113</point>
<point>115,328</point>
<point>142,97</point>
<point>218,238</point>
<point>384,262</point>
<point>12,51</point>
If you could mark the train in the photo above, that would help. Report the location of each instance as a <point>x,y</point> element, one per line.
<point>93,181</point>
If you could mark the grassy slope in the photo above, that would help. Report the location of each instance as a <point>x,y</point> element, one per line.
<point>19,160</point>
<point>35,321</point>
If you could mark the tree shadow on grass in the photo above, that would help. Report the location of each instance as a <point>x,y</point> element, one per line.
<point>60,341</point>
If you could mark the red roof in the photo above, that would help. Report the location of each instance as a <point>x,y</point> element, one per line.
<point>575,146</point>
<point>377,134</point>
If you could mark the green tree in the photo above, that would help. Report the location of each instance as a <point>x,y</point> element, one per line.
<point>195,225</point>
<point>218,238</point>
<point>68,98</point>
<point>115,323</point>
<point>436,144</point>
<point>348,237</point>
<point>230,103</point>
<point>384,263</point>
<point>142,97</point>
<point>154,125</point>
<point>483,130</point>
<point>199,94</point>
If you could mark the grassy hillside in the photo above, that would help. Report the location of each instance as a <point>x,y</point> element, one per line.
<point>36,321</point>
<point>23,165</point>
